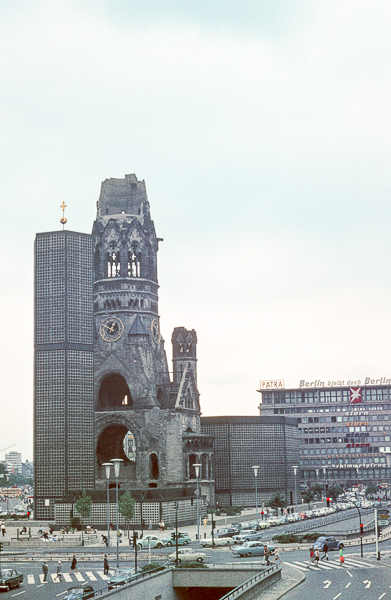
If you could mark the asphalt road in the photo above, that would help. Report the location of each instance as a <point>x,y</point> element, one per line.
<point>366,578</point>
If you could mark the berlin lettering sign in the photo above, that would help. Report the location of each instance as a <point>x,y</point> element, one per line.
<point>318,383</point>
<point>272,384</point>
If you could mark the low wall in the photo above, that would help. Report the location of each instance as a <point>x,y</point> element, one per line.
<point>152,587</point>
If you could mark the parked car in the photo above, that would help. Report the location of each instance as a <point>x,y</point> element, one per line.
<point>251,549</point>
<point>120,577</point>
<point>10,578</point>
<point>247,536</point>
<point>207,542</point>
<point>188,555</point>
<point>332,543</point>
<point>183,539</point>
<point>227,532</point>
<point>78,592</point>
<point>152,541</point>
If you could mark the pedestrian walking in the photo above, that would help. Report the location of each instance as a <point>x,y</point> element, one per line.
<point>106,565</point>
<point>205,521</point>
<point>326,551</point>
<point>2,528</point>
<point>277,556</point>
<point>341,557</point>
<point>73,564</point>
<point>45,571</point>
<point>266,555</point>
<point>312,558</point>
<point>163,526</point>
<point>160,526</point>
<point>59,573</point>
<point>317,556</point>
<point>150,524</point>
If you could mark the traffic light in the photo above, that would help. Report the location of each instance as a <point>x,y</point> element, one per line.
<point>135,537</point>
<point>173,536</point>
<point>1,546</point>
<point>328,501</point>
<point>361,529</point>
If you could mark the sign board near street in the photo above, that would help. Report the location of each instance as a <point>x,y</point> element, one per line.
<point>383,517</point>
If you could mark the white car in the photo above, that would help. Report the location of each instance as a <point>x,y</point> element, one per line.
<point>207,542</point>
<point>188,555</point>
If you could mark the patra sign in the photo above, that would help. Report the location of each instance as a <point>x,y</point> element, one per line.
<point>272,384</point>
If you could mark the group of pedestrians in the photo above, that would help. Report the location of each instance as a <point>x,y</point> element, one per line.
<point>315,556</point>
<point>73,568</point>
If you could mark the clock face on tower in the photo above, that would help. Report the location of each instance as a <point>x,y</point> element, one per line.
<point>111,329</point>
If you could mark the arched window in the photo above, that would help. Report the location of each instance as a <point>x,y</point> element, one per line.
<point>134,261</point>
<point>192,462</point>
<point>114,393</point>
<point>153,466</point>
<point>113,264</point>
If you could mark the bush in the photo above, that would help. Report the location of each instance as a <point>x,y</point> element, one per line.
<point>291,538</point>
<point>192,565</point>
<point>151,567</point>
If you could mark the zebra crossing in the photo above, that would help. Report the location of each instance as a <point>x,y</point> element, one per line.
<point>331,565</point>
<point>86,576</point>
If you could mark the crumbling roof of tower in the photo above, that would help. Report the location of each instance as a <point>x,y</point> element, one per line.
<point>122,196</point>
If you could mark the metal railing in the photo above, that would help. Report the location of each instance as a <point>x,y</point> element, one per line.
<point>238,591</point>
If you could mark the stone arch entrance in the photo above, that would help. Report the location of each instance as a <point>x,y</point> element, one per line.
<point>116,440</point>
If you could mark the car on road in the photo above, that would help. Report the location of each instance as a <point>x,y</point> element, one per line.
<point>247,536</point>
<point>78,592</point>
<point>207,542</point>
<point>183,539</point>
<point>152,541</point>
<point>227,532</point>
<point>332,543</point>
<point>188,555</point>
<point>251,549</point>
<point>10,578</point>
<point>120,577</point>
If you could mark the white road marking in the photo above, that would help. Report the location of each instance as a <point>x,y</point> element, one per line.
<point>349,573</point>
<point>91,575</point>
<point>18,594</point>
<point>79,577</point>
<point>103,576</point>
<point>328,583</point>
<point>68,578</point>
<point>380,597</point>
<point>337,596</point>
<point>348,584</point>
<point>30,579</point>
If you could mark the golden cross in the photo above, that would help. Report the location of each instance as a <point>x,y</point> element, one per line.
<point>63,219</point>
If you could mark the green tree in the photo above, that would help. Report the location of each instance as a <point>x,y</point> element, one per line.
<point>317,488</point>
<point>334,491</point>
<point>83,507</point>
<point>126,506</point>
<point>308,495</point>
<point>370,490</point>
<point>278,501</point>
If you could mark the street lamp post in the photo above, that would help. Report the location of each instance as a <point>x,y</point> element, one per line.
<point>107,467</point>
<point>324,482</point>
<point>295,467</point>
<point>117,463</point>
<point>197,468</point>
<point>255,469</point>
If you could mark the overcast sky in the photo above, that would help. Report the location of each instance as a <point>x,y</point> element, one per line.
<point>262,130</point>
